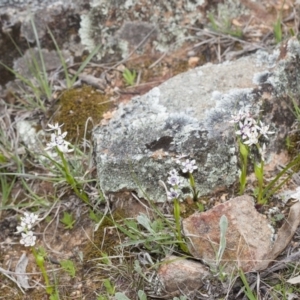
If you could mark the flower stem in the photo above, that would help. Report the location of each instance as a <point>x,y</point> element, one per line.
<point>259,173</point>
<point>40,262</point>
<point>180,240</point>
<point>244,162</point>
<point>71,180</point>
<point>193,187</point>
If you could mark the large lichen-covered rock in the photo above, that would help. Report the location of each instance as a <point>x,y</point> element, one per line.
<point>189,114</point>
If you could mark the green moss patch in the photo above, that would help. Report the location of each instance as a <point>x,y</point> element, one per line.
<point>76,106</point>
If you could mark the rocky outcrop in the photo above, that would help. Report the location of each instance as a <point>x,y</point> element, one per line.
<point>189,114</point>
<point>121,26</point>
<point>251,244</point>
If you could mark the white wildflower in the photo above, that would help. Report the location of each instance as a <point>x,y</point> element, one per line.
<point>57,140</point>
<point>189,166</point>
<point>264,130</point>
<point>29,218</point>
<point>173,194</point>
<point>27,222</point>
<point>252,139</point>
<point>173,172</point>
<point>174,180</point>
<point>237,118</point>
<point>262,152</point>
<point>23,227</point>
<point>241,115</point>
<point>28,239</point>
<point>55,127</point>
<point>246,129</point>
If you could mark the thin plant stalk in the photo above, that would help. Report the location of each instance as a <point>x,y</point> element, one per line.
<point>268,189</point>
<point>71,80</point>
<point>71,180</point>
<point>248,291</point>
<point>41,264</point>
<point>244,162</point>
<point>259,173</point>
<point>27,82</point>
<point>193,187</point>
<point>181,242</point>
<point>41,76</point>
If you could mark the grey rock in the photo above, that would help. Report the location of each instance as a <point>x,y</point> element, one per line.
<point>30,63</point>
<point>32,4</point>
<point>112,24</point>
<point>189,114</point>
<point>42,13</point>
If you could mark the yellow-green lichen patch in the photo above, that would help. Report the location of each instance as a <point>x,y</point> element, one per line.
<point>76,106</point>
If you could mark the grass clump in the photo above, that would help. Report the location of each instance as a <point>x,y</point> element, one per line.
<point>224,26</point>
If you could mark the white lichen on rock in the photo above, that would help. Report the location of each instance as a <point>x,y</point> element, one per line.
<point>286,76</point>
<point>167,21</point>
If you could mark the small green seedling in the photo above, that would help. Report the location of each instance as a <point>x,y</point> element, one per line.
<point>69,267</point>
<point>129,76</point>
<point>110,288</point>
<point>96,217</point>
<point>67,220</point>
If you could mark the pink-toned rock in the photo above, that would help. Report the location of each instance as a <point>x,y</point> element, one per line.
<point>182,275</point>
<point>248,237</point>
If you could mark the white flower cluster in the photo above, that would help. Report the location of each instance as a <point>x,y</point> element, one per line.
<point>27,222</point>
<point>250,130</point>
<point>58,139</point>
<point>188,166</point>
<point>176,182</point>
